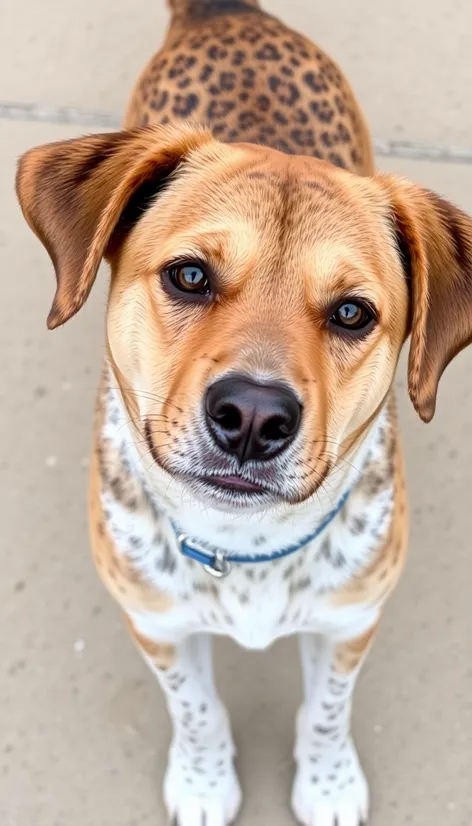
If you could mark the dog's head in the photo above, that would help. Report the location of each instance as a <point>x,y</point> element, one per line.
<point>258,301</point>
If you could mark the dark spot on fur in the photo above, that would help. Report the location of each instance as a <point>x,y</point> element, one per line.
<point>184,105</point>
<point>283,146</point>
<point>184,83</point>
<point>324,731</point>
<point>248,119</point>
<point>218,129</point>
<point>355,157</point>
<point>250,34</point>
<point>205,73</point>
<point>327,139</point>
<point>287,93</point>
<point>342,133</point>
<point>358,525</point>
<point>301,117</point>
<point>249,78</point>
<point>322,110</point>
<point>287,71</point>
<point>325,550</point>
<point>117,487</point>
<point>166,562</point>
<point>279,117</point>
<point>337,160</point>
<point>227,81</point>
<point>340,104</point>
<point>238,58</point>
<point>157,103</point>
<point>268,52</point>
<point>301,584</point>
<point>315,82</point>
<point>217,53</point>
<point>182,64</point>
<point>266,131</point>
<point>220,108</point>
<point>263,103</point>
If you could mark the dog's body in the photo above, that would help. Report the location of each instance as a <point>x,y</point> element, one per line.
<point>160,461</point>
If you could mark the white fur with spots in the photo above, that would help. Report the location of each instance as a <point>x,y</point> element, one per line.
<point>255,605</point>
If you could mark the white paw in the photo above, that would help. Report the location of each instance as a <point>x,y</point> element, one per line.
<point>201,791</point>
<point>330,789</point>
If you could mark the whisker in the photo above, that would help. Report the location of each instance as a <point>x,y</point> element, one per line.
<point>143,420</point>
<point>149,395</point>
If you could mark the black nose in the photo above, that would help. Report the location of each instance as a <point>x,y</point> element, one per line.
<point>251,420</point>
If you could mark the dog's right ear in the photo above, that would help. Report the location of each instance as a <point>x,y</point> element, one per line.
<point>74,193</point>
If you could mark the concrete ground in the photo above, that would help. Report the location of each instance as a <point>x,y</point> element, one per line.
<point>83,730</point>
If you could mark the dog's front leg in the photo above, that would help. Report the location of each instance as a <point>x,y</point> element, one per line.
<point>330,788</point>
<point>201,785</point>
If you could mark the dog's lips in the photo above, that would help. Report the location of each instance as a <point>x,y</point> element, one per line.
<point>234,483</point>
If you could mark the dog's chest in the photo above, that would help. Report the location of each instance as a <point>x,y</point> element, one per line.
<point>257,602</point>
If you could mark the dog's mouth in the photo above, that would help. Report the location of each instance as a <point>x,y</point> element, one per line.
<point>232,490</point>
<point>226,487</point>
<point>233,483</point>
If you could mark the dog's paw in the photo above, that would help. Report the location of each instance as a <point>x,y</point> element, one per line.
<point>201,791</point>
<point>330,789</point>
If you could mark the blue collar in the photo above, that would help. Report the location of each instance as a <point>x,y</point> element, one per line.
<point>218,563</point>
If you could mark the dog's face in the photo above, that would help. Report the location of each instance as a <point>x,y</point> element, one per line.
<point>258,301</point>
<point>256,314</point>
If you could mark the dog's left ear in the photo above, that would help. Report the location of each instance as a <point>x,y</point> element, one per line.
<point>74,193</point>
<point>435,244</point>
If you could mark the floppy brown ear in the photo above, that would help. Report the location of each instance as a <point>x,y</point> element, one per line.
<point>435,243</point>
<point>73,194</point>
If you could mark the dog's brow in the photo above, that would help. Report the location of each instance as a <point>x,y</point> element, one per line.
<point>320,187</point>
<point>268,176</point>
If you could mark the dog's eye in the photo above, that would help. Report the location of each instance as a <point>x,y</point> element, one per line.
<point>352,316</point>
<point>189,277</point>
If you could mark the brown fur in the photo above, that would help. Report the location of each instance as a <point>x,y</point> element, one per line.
<point>349,655</point>
<point>252,79</point>
<point>161,655</point>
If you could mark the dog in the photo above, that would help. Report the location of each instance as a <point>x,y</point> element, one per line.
<point>247,477</point>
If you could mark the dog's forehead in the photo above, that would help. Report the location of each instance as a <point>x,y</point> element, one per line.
<point>269,188</point>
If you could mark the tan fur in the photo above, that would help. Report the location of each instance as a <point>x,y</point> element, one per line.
<point>254,80</point>
<point>349,655</point>
<point>161,655</point>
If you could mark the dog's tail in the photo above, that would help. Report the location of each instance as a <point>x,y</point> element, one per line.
<point>199,9</point>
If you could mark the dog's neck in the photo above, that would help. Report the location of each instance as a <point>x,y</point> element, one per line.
<point>262,531</point>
